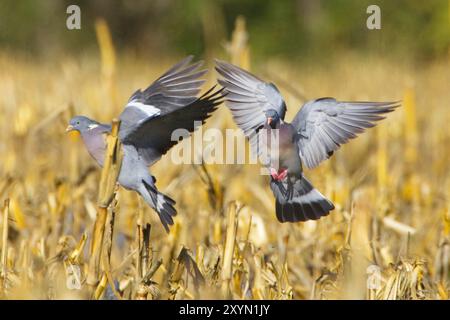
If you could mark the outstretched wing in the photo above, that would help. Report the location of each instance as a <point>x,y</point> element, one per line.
<point>248,97</point>
<point>153,136</point>
<point>324,124</point>
<point>175,89</point>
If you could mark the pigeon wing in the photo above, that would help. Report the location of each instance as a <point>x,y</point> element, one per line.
<point>248,97</point>
<point>324,124</point>
<point>152,137</point>
<point>175,89</point>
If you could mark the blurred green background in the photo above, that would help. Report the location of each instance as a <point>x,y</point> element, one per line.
<point>294,29</point>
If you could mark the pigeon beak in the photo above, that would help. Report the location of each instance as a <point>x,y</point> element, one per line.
<point>70,128</point>
<point>269,120</point>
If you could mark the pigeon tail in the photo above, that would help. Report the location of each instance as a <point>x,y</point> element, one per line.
<point>161,203</point>
<point>297,200</point>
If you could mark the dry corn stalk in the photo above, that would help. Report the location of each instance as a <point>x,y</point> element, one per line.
<point>227,268</point>
<point>405,282</point>
<point>178,285</point>
<point>101,287</point>
<point>4,263</point>
<point>111,167</point>
<point>106,253</point>
<point>214,188</point>
<point>144,269</point>
<point>110,173</point>
<point>108,58</point>
<point>238,47</point>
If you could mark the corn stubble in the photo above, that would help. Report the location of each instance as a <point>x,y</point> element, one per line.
<point>68,231</point>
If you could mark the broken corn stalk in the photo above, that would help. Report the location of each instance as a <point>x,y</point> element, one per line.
<point>227,269</point>
<point>109,176</point>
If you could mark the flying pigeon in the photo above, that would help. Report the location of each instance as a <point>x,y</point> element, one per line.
<point>147,122</point>
<point>317,130</point>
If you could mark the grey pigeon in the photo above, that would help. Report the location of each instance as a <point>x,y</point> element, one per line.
<point>147,123</point>
<point>318,129</point>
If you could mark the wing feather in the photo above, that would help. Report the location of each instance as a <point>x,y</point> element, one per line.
<point>176,88</point>
<point>323,125</point>
<point>248,98</point>
<point>169,103</point>
<point>153,137</point>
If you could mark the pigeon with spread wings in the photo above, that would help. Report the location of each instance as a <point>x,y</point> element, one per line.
<point>318,129</point>
<point>147,123</point>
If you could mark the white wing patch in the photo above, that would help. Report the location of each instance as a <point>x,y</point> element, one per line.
<point>146,108</point>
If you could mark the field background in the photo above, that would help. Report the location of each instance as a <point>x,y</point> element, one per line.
<point>391,186</point>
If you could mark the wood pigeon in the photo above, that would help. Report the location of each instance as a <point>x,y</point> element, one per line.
<point>147,123</point>
<point>318,129</point>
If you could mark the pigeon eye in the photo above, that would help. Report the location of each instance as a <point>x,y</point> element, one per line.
<point>78,122</point>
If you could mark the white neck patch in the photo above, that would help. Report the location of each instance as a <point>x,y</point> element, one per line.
<point>92,126</point>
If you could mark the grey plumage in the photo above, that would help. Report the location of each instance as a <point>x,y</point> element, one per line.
<point>153,146</point>
<point>248,97</point>
<point>324,124</point>
<point>147,123</point>
<point>317,130</point>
